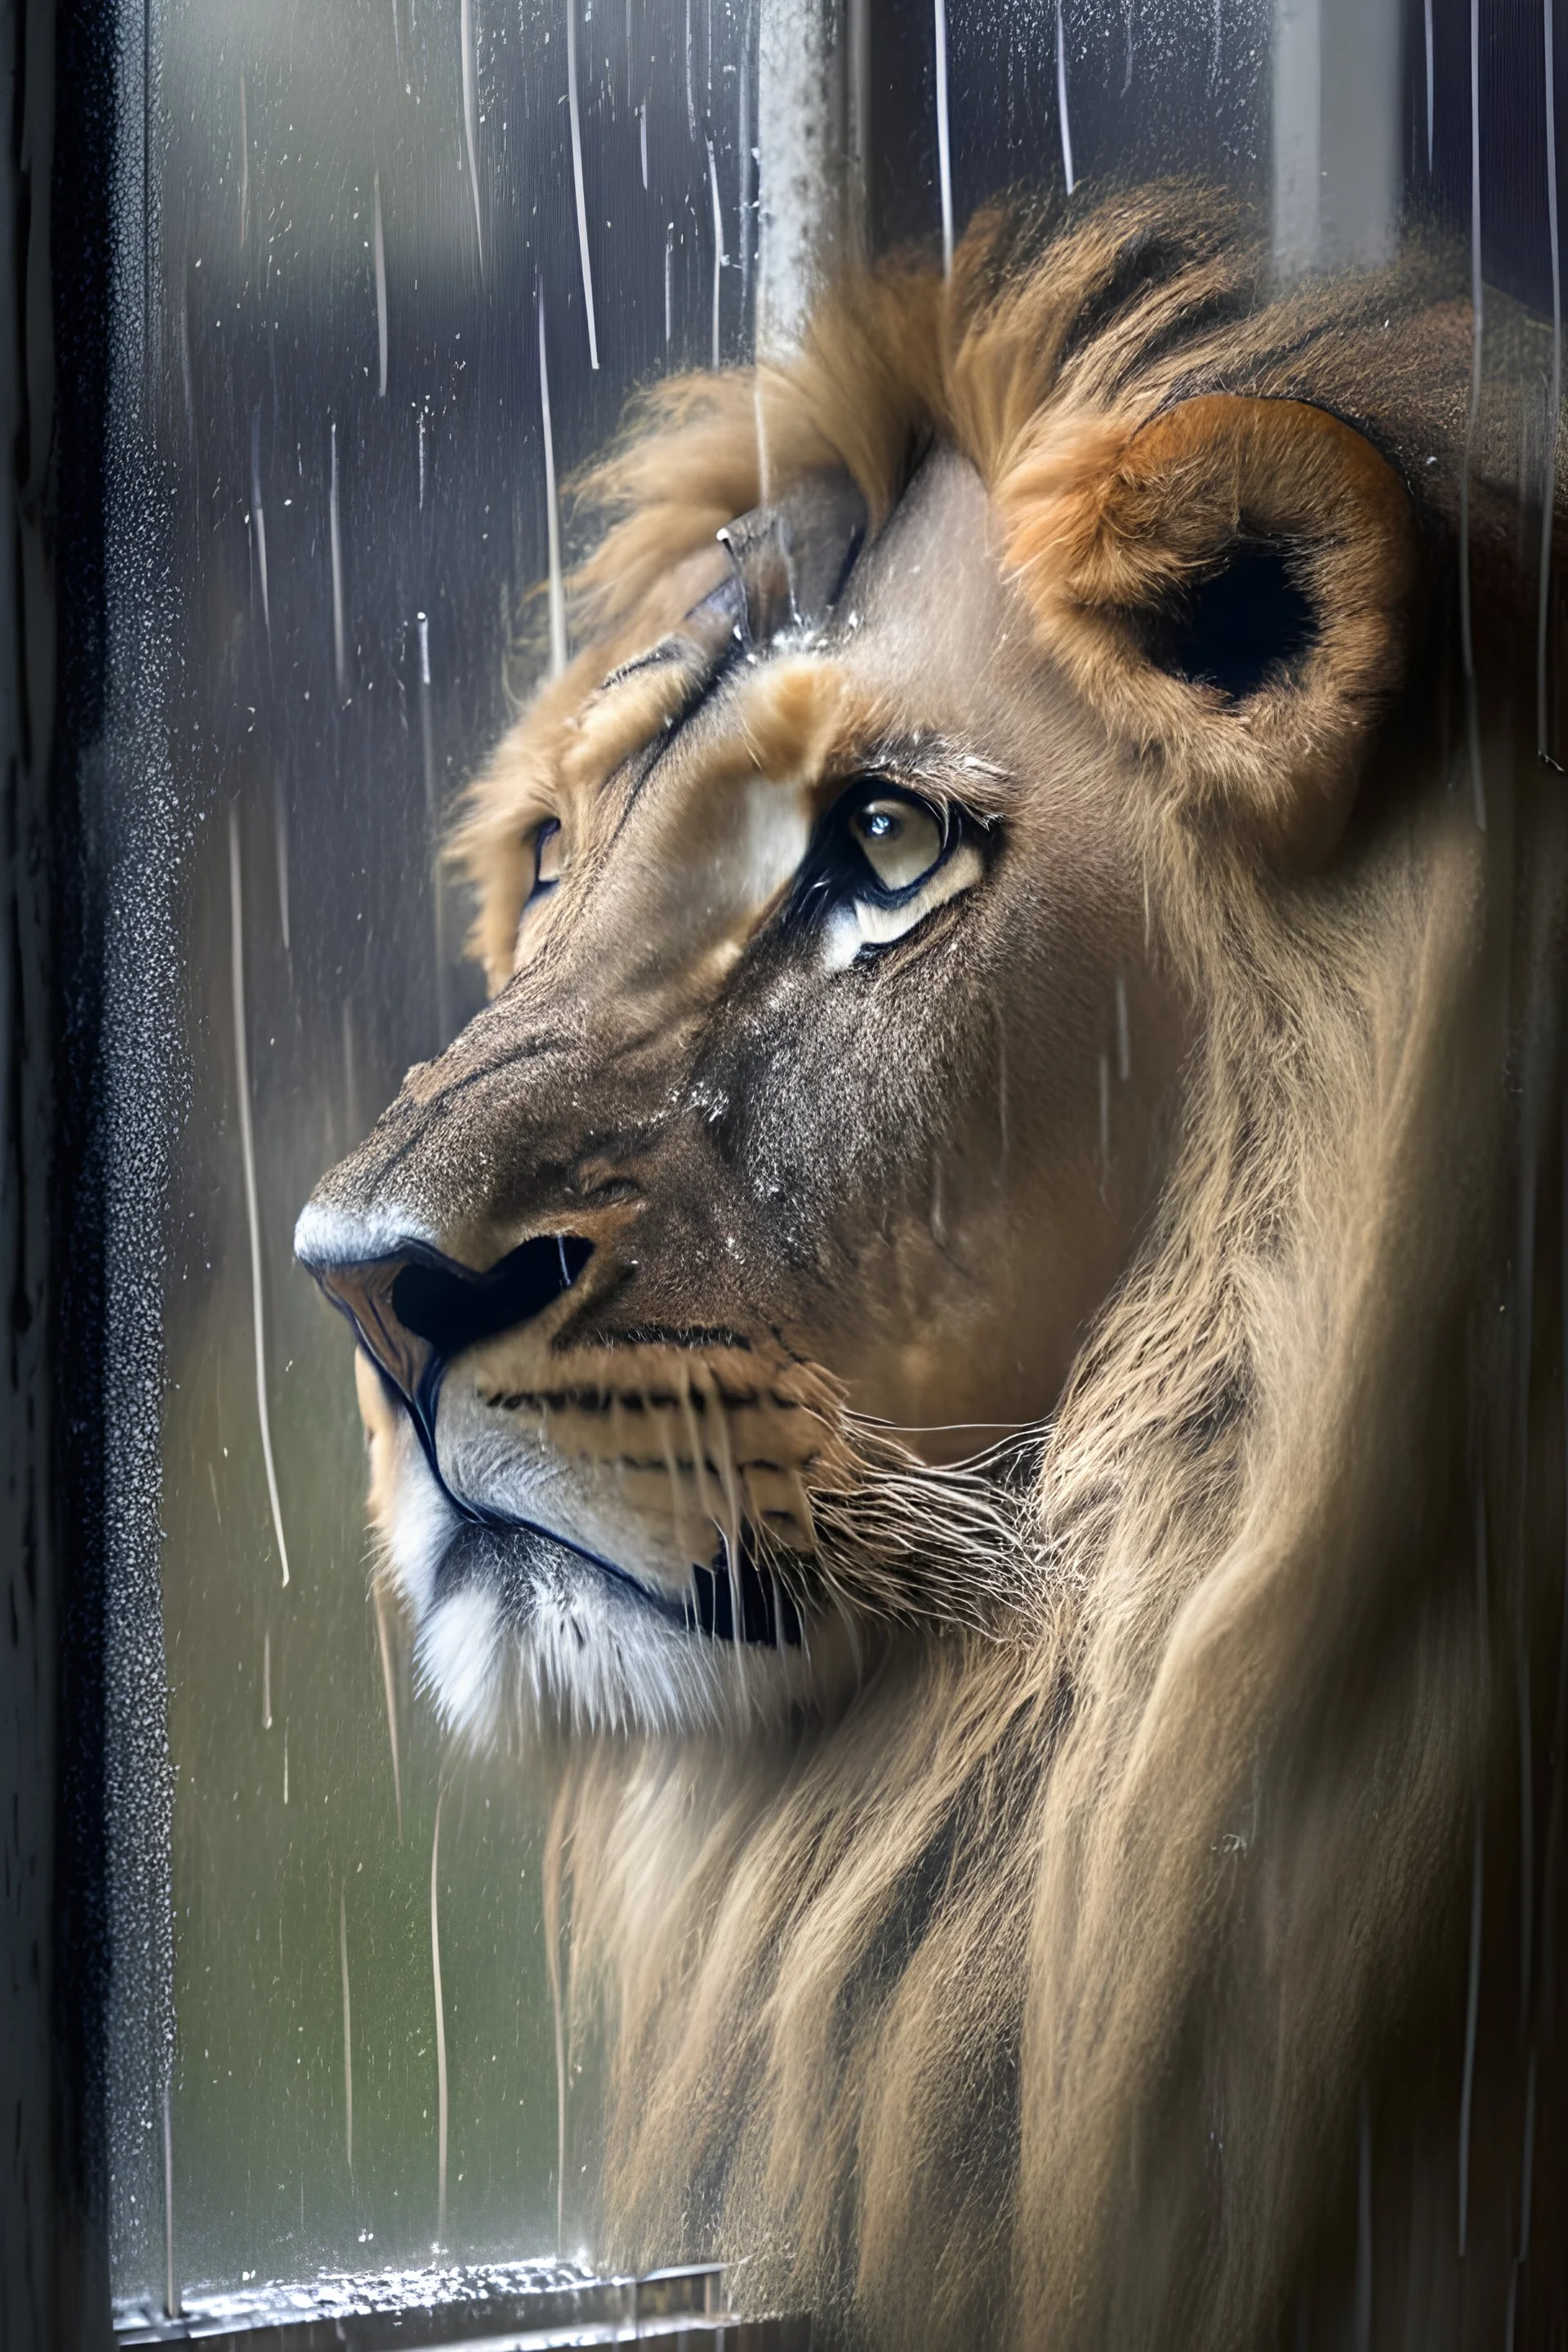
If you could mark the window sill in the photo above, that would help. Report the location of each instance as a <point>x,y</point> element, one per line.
<point>503,2307</point>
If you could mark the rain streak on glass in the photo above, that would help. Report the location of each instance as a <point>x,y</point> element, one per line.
<point>362,207</point>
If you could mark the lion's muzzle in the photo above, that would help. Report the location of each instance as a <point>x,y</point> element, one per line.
<point>413,1310</point>
<point>604,1522</point>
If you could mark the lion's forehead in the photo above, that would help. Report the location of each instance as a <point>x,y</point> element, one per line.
<point>677,859</point>
<point>690,770</point>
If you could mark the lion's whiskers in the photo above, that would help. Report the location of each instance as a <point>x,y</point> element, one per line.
<point>678,1496</point>
<point>803,1513</point>
<point>699,1455</point>
<point>719,1416</point>
<point>618,1434</point>
<point>962,1527</point>
<point>843,1519</point>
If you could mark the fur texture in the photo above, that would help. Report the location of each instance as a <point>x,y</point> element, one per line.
<point>1154,1943</point>
<point>1108,1986</point>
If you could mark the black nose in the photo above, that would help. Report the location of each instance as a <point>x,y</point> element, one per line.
<point>415,1310</point>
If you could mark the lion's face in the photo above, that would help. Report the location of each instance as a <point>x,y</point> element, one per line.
<point>1014,895</point>
<point>826,1083</point>
<point>831,1063</point>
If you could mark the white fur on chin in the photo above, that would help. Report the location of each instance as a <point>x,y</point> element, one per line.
<point>581,1651</point>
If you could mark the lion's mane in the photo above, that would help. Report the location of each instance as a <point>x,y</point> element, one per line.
<point>1174,1962</point>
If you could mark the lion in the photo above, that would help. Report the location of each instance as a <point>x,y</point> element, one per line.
<point>976,1325</point>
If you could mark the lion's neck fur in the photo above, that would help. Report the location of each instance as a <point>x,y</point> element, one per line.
<point>1076,1954</point>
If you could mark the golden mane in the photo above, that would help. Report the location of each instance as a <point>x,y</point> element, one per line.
<point>1110,1978</point>
<point>1041,355</point>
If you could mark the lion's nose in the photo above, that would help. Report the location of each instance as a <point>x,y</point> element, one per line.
<point>416,1310</point>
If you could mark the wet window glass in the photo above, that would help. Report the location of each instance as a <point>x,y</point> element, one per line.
<point>1177,382</point>
<point>412,262</point>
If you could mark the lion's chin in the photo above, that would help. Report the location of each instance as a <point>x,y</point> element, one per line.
<point>515,1631</point>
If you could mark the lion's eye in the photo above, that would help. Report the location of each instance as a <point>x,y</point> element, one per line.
<point>899,839</point>
<point>883,858</point>
<point>549,855</point>
<point>550,863</point>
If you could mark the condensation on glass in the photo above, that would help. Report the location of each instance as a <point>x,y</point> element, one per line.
<point>408,261</point>
<point>413,259</point>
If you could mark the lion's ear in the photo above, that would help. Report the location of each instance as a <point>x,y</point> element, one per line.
<point>1226,585</point>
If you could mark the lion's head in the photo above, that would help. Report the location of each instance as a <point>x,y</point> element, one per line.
<point>831,1065</point>
<point>982,1190</point>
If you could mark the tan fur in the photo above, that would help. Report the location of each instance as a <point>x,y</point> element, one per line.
<point>1036,2000</point>
<point>897,361</point>
<point>1106,516</point>
<point>1094,1973</point>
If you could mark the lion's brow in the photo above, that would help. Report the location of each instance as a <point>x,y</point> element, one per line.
<point>941,763</point>
<point>707,675</point>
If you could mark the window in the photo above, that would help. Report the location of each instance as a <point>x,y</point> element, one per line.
<point>343,297</point>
